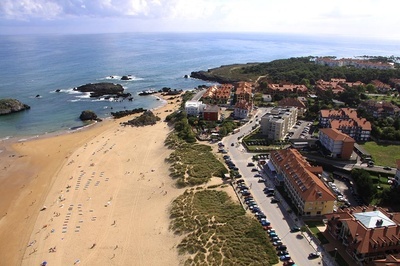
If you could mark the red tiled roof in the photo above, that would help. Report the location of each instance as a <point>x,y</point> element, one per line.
<point>302,175</point>
<point>335,134</point>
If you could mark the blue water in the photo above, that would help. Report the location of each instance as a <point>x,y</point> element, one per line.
<point>38,65</point>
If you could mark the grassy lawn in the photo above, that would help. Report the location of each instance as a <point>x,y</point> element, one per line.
<point>384,155</point>
<point>313,228</point>
<point>339,259</point>
<point>386,98</point>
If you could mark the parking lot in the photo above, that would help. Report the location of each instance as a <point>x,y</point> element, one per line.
<point>302,130</point>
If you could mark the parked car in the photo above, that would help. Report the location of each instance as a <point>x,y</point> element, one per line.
<point>277,243</point>
<point>274,200</point>
<point>275,238</point>
<point>284,257</point>
<point>281,247</point>
<point>314,255</point>
<point>282,253</point>
<point>289,263</point>
<point>295,229</point>
<point>387,168</point>
<point>272,234</point>
<point>257,175</point>
<point>254,169</point>
<point>250,164</point>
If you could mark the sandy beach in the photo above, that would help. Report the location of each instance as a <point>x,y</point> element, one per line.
<point>97,196</point>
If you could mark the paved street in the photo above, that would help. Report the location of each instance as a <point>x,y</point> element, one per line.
<point>281,221</point>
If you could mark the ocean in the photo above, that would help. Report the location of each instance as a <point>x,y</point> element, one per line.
<point>34,65</point>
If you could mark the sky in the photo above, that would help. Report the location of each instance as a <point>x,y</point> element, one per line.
<point>372,19</point>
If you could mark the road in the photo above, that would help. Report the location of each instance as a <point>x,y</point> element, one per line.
<point>281,221</point>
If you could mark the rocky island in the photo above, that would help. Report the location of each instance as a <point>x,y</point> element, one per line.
<point>102,89</point>
<point>8,106</point>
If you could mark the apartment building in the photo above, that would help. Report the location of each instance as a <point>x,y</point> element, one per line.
<point>357,63</point>
<point>276,123</point>
<point>244,92</point>
<point>380,109</point>
<point>194,108</point>
<point>306,190</point>
<point>242,109</point>
<point>211,113</point>
<point>220,94</point>
<point>367,233</point>
<point>347,121</point>
<point>337,143</point>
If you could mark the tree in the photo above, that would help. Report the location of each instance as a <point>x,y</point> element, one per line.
<point>364,184</point>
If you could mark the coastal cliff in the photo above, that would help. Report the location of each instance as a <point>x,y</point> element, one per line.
<point>8,106</point>
<point>226,74</point>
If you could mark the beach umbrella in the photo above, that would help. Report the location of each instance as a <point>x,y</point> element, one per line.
<point>44,263</point>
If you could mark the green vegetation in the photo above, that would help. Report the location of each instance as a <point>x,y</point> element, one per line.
<point>384,155</point>
<point>218,232</point>
<point>312,225</point>
<point>145,119</point>
<point>192,164</point>
<point>256,142</point>
<point>303,70</point>
<point>364,184</point>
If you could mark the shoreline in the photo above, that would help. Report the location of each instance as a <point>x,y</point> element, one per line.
<point>33,173</point>
<point>158,96</point>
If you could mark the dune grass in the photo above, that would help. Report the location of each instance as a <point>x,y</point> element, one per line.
<point>217,231</point>
<point>191,163</point>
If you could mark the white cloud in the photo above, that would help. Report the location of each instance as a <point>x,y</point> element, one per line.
<point>347,17</point>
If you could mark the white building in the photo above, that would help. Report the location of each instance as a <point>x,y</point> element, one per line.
<point>276,123</point>
<point>194,108</point>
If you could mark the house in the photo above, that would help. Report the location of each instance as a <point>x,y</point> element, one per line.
<point>333,85</point>
<point>294,102</point>
<point>211,113</point>
<point>286,89</point>
<point>380,86</point>
<point>194,108</point>
<point>337,143</point>
<point>276,123</point>
<point>308,193</point>
<point>242,109</point>
<point>367,233</point>
<point>336,85</point>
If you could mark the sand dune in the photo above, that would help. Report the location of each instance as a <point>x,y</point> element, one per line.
<point>99,196</point>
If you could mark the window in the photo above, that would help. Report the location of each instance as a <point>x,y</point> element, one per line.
<point>318,212</point>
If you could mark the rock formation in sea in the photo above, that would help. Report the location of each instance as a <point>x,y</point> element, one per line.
<point>88,115</point>
<point>8,106</point>
<point>128,77</point>
<point>103,88</point>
